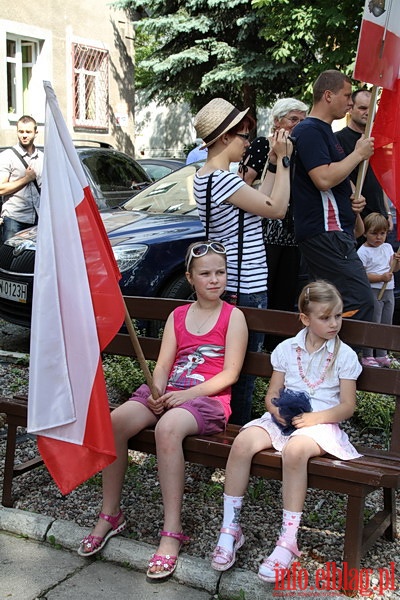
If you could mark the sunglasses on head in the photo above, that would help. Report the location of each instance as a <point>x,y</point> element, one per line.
<point>202,248</point>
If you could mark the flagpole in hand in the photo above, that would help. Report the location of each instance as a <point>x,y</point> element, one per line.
<point>384,286</point>
<point>139,354</point>
<point>362,169</point>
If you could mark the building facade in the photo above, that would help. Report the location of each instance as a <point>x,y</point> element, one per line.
<point>86,50</point>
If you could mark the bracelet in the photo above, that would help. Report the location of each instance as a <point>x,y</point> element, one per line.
<point>271,168</point>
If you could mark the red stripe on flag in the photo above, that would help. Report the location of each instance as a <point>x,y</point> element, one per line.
<point>385,161</point>
<point>72,464</point>
<point>102,269</point>
<point>373,65</point>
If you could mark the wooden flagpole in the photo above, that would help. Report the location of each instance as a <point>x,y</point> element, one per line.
<point>384,286</point>
<point>139,353</point>
<point>362,169</point>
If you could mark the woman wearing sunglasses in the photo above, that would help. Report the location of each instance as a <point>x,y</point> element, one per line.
<point>201,355</point>
<point>232,211</point>
<point>283,255</point>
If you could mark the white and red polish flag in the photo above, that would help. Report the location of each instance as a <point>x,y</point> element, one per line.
<point>77,309</point>
<point>385,161</point>
<point>378,52</point>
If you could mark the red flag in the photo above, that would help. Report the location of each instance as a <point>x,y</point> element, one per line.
<point>378,52</point>
<point>77,310</point>
<point>385,161</point>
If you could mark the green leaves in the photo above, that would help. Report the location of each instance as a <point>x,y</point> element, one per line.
<point>244,51</point>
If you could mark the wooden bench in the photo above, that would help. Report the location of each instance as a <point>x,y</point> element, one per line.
<point>378,469</point>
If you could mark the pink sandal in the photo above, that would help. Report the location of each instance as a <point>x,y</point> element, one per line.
<point>91,544</point>
<point>279,570</point>
<point>223,559</point>
<point>167,562</point>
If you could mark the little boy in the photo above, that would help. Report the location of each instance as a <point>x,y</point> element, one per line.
<point>380,262</point>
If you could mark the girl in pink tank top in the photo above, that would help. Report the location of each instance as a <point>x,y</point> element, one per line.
<point>201,355</point>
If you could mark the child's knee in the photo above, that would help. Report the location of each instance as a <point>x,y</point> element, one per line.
<point>294,454</point>
<point>243,445</point>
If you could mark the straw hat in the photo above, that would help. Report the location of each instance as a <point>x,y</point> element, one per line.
<point>216,118</point>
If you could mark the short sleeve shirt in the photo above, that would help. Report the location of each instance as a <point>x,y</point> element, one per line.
<point>224,227</point>
<point>346,366</point>
<point>316,211</point>
<point>23,204</point>
<point>377,260</point>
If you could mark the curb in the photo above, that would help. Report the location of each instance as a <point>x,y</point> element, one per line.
<point>191,571</point>
<point>13,357</point>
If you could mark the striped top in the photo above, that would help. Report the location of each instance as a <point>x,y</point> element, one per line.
<point>224,228</point>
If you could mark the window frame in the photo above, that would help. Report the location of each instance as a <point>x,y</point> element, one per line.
<point>90,88</point>
<point>24,101</point>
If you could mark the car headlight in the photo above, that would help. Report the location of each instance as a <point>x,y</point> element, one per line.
<point>127,258</point>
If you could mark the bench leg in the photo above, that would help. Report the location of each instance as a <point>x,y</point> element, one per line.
<point>389,503</point>
<point>9,465</point>
<point>354,532</point>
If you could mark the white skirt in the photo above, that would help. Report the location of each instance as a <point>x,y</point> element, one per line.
<point>328,436</point>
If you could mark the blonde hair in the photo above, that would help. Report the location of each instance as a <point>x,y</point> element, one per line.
<point>321,292</point>
<point>375,222</point>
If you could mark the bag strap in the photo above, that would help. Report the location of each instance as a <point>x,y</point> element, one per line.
<point>240,229</point>
<point>21,158</point>
<point>208,204</point>
<point>240,248</point>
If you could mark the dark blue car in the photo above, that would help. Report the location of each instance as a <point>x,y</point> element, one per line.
<point>149,236</point>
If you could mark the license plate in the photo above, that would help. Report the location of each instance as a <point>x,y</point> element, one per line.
<point>13,291</point>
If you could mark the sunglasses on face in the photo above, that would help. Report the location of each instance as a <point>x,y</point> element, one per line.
<point>244,136</point>
<point>202,248</point>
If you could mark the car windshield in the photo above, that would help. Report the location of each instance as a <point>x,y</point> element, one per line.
<point>114,172</point>
<point>172,194</point>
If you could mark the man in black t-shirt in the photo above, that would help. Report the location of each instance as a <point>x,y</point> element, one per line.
<point>348,137</point>
<point>324,211</point>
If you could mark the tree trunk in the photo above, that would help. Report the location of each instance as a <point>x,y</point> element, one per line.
<point>249,96</point>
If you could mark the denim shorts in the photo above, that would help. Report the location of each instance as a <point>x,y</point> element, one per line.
<point>208,412</point>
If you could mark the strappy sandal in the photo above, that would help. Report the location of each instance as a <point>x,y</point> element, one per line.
<point>91,544</point>
<point>167,562</point>
<point>223,559</point>
<point>277,568</point>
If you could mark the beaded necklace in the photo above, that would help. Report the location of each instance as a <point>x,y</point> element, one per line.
<point>312,386</point>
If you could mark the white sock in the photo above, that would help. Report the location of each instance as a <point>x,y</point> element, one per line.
<point>232,508</point>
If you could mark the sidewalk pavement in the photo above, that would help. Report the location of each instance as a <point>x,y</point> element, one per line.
<point>38,559</point>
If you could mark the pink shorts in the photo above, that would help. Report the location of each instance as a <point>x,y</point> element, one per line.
<point>208,412</point>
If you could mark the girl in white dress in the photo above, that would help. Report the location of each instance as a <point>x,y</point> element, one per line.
<point>317,362</point>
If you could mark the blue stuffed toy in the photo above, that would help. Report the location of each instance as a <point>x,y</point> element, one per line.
<point>290,405</point>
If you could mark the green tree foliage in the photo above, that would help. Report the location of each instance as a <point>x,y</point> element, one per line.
<point>314,36</point>
<point>247,52</point>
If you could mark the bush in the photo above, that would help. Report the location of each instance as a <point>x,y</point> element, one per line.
<point>374,412</point>
<point>124,374</point>
<point>260,389</point>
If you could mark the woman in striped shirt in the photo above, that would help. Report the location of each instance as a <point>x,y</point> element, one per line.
<point>225,132</point>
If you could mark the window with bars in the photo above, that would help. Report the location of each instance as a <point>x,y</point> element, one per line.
<point>90,87</point>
